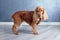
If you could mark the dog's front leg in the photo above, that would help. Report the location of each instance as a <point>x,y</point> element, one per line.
<point>34,29</point>
<point>34,25</point>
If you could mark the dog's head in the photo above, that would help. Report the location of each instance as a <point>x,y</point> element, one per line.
<point>41,12</point>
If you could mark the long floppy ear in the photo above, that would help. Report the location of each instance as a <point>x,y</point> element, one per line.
<point>45,16</point>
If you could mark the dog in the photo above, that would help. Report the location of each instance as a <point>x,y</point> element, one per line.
<point>33,18</point>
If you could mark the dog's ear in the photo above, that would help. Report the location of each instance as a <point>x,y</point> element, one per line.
<point>45,16</point>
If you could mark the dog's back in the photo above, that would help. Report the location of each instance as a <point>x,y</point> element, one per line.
<point>26,16</point>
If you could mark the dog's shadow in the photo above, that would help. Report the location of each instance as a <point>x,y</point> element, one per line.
<point>25,29</point>
<point>7,29</point>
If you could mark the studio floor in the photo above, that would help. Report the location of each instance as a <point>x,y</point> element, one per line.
<point>46,32</point>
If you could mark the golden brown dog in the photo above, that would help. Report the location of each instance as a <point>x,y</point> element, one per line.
<point>31,17</point>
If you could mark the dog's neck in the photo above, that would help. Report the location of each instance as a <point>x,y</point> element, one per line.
<point>38,15</point>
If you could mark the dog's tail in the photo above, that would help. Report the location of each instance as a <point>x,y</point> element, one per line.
<point>12,18</point>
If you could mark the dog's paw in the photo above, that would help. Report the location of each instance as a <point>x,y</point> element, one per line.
<point>17,33</point>
<point>36,33</point>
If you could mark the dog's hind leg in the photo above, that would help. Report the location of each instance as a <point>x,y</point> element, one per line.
<point>17,23</point>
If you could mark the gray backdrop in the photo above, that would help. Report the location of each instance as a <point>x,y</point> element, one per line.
<point>8,7</point>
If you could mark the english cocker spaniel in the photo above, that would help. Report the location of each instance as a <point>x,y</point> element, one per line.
<point>33,18</point>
